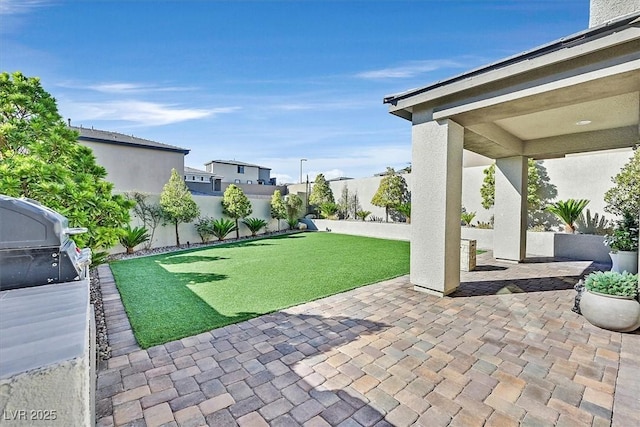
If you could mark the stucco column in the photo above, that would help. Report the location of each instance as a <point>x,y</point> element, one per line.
<point>510,209</point>
<point>436,198</point>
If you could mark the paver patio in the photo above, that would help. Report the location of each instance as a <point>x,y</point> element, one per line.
<point>504,350</point>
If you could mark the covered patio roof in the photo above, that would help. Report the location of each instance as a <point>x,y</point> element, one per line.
<point>577,94</point>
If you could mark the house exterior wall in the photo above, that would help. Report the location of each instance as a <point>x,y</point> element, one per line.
<point>133,168</point>
<point>230,172</point>
<point>601,11</point>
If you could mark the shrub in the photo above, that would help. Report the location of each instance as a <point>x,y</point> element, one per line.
<point>625,195</point>
<point>254,224</point>
<point>405,210</point>
<point>613,283</point>
<point>625,235</point>
<point>133,237</point>
<point>485,225</point>
<point>204,228</point>
<point>222,227</point>
<point>292,223</point>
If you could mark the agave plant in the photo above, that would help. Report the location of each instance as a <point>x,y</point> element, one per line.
<point>568,212</point>
<point>222,227</point>
<point>132,237</point>
<point>254,224</point>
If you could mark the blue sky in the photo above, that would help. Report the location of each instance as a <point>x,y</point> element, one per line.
<point>266,82</point>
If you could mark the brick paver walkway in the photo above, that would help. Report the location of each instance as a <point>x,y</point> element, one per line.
<point>505,350</point>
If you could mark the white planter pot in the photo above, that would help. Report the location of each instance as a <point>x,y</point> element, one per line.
<point>624,261</point>
<point>621,314</point>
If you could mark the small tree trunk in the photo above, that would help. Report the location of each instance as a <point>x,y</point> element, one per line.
<point>386,213</point>
<point>129,250</point>
<point>177,235</point>
<point>237,230</point>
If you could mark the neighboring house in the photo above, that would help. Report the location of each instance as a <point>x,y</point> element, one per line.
<point>202,182</point>
<point>240,173</point>
<point>133,163</point>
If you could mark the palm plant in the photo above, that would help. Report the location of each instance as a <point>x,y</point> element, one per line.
<point>467,217</point>
<point>568,212</point>
<point>254,224</point>
<point>132,237</point>
<point>222,227</point>
<point>329,210</point>
<point>363,214</point>
<point>292,223</point>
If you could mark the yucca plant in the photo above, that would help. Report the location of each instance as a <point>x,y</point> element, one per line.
<point>329,210</point>
<point>363,214</point>
<point>132,237</point>
<point>293,223</point>
<point>568,212</point>
<point>467,217</point>
<point>254,224</point>
<point>222,227</point>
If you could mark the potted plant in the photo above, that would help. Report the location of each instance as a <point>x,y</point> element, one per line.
<point>623,242</point>
<point>610,301</point>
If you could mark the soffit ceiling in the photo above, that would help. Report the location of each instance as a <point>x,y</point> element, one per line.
<point>536,111</point>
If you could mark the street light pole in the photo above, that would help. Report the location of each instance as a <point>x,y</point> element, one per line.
<point>301,160</point>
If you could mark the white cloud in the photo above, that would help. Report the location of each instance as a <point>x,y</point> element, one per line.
<point>139,112</point>
<point>410,69</point>
<point>282,178</point>
<point>124,87</point>
<point>14,7</point>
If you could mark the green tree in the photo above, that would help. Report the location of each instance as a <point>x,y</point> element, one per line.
<point>40,158</point>
<point>391,193</point>
<point>624,198</point>
<point>149,213</point>
<point>236,205</point>
<point>534,198</point>
<point>177,203</point>
<point>321,192</point>
<point>278,208</point>
<point>294,207</point>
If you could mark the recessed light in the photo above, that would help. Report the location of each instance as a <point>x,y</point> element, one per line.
<point>583,122</point>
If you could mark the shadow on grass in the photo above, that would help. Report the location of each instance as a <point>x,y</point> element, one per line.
<point>187,259</point>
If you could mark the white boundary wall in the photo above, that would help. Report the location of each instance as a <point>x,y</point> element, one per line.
<point>210,206</point>
<point>547,244</point>
<point>584,176</point>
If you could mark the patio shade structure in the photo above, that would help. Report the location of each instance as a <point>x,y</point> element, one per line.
<point>574,95</point>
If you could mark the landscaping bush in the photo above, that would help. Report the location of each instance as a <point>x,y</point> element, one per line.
<point>254,224</point>
<point>133,237</point>
<point>222,227</point>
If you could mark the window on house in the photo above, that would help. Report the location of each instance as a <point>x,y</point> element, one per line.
<point>240,169</point>
<point>202,178</point>
<point>249,181</point>
<point>237,181</point>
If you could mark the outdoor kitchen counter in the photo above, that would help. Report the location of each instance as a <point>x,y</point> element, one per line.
<point>47,365</point>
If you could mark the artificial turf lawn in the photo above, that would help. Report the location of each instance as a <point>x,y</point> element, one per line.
<point>174,295</point>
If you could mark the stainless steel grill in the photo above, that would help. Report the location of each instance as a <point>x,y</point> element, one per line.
<point>35,248</point>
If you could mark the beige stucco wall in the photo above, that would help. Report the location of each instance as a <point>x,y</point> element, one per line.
<point>210,206</point>
<point>585,176</point>
<point>601,11</point>
<point>56,395</point>
<point>132,168</point>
